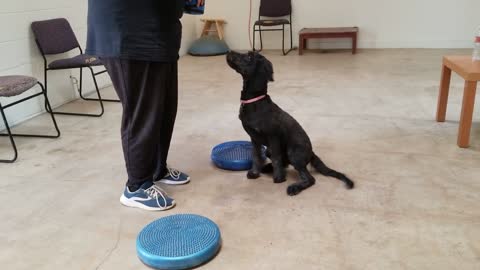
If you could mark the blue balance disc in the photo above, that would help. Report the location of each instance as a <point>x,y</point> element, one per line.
<point>178,242</point>
<point>234,156</point>
<point>208,46</point>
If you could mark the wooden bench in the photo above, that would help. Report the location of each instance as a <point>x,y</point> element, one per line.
<point>332,32</point>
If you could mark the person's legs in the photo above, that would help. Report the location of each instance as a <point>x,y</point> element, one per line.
<point>141,87</point>
<point>168,121</point>
<point>162,173</point>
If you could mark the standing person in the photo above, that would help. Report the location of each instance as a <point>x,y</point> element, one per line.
<point>138,42</point>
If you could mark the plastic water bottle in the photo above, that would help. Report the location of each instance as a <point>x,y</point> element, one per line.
<point>476,48</point>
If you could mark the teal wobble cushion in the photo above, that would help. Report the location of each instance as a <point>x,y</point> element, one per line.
<point>208,46</point>
<point>178,242</point>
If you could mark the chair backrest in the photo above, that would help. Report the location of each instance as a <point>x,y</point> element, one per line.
<point>275,8</point>
<point>54,36</point>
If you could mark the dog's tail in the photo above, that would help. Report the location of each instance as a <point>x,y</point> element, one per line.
<point>318,164</point>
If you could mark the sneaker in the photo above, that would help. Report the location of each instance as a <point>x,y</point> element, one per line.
<point>147,197</point>
<point>175,177</point>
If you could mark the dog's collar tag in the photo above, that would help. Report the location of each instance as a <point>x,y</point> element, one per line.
<point>253,100</point>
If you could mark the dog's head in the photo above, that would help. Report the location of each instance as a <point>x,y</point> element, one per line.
<point>251,65</point>
<point>256,71</point>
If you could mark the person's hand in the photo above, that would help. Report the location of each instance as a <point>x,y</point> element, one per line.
<point>199,2</point>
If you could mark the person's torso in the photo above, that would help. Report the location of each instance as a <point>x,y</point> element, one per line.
<point>136,29</point>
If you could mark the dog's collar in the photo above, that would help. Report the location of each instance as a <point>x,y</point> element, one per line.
<point>253,100</point>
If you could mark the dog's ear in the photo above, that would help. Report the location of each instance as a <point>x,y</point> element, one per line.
<point>269,70</point>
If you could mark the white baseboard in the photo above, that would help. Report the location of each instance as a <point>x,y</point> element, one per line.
<point>371,44</point>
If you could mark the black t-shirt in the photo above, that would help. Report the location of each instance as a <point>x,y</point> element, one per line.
<point>147,30</point>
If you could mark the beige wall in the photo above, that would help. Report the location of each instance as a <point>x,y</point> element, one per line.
<point>383,23</point>
<point>19,54</point>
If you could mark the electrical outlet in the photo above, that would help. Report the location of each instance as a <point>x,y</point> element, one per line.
<point>74,82</point>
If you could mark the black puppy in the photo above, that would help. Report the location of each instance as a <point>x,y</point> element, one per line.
<point>267,124</point>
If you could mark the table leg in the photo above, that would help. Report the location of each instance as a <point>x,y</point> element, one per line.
<point>301,45</point>
<point>443,94</point>
<point>219,29</point>
<point>206,27</point>
<point>354,43</point>
<point>467,114</point>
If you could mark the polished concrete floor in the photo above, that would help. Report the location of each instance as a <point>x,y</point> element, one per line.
<point>415,206</point>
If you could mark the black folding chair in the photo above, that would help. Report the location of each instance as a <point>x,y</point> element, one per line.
<point>13,86</point>
<point>275,10</point>
<point>55,37</point>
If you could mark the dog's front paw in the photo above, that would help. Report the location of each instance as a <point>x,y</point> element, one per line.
<point>279,179</point>
<point>294,190</point>
<point>267,168</point>
<point>253,175</point>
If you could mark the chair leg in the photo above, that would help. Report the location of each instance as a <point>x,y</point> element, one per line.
<point>283,40</point>
<point>97,89</point>
<point>261,39</point>
<point>47,102</point>
<point>49,109</point>
<point>80,91</point>
<point>254,34</point>
<point>254,38</point>
<point>45,81</point>
<point>291,36</point>
<point>10,135</point>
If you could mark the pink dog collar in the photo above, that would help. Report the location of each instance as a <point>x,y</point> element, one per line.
<point>253,100</point>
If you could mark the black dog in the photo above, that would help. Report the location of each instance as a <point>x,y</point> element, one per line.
<point>267,124</point>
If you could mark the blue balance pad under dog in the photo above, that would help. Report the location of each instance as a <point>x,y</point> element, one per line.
<point>178,242</point>
<point>234,156</point>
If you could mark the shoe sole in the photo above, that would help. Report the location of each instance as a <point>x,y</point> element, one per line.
<point>174,183</point>
<point>134,204</point>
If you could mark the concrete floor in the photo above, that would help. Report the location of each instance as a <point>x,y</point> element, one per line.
<point>371,116</point>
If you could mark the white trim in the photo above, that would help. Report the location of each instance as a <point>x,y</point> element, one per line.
<point>170,182</point>
<point>132,203</point>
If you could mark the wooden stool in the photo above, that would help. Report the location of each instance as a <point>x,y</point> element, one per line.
<point>332,32</point>
<point>470,71</point>
<point>218,27</point>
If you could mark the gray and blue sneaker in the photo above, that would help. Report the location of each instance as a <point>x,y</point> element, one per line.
<point>174,177</point>
<point>148,197</point>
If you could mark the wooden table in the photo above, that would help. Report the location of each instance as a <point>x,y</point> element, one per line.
<point>331,32</point>
<point>470,71</point>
